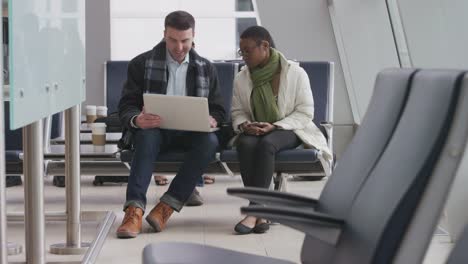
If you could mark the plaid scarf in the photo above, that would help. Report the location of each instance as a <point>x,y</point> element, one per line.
<point>156,73</point>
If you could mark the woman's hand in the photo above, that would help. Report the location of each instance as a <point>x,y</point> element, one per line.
<point>257,128</point>
<point>250,128</point>
<point>265,127</point>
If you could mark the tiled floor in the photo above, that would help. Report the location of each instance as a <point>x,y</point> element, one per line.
<point>210,224</point>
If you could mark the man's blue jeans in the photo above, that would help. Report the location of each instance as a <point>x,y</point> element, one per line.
<point>200,150</point>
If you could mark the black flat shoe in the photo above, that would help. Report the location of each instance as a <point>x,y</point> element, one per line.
<point>261,228</point>
<point>243,229</point>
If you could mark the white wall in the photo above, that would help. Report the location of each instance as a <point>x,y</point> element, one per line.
<point>436,32</point>
<point>302,30</point>
<point>97,49</point>
<point>136,28</point>
<point>366,46</point>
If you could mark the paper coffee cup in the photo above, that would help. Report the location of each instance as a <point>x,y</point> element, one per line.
<point>101,111</point>
<point>98,136</point>
<point>99,149</point>
<point>90,113</point>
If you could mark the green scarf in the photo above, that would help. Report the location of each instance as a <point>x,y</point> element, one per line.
<point>263,101</point>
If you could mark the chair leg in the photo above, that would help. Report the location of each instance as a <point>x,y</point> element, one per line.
<point>226,168</point>
<point>326,164</point>
<point>59,181</point>
<point>13,180</point>
<point>280,182</point>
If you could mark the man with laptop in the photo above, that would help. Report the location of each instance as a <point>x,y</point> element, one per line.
<point>175,72</point>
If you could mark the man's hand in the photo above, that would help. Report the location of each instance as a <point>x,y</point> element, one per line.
<point>213,122</point>
<point>145,120</point>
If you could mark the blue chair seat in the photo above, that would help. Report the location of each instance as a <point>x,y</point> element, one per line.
<point>170,156</point>
<point>291,155</point>
<point>13,155</point>
<point>170,161</point>
<point>290,161</point>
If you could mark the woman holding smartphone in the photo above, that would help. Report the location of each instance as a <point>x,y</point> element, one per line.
<point>272,110</point>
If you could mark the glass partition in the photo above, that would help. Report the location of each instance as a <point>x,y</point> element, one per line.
<point>366,46</point>
<point>436,32</point>
<point>47,57</point>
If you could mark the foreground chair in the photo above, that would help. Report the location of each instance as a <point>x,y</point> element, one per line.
<point>426,216</point>
<point>415,169</point>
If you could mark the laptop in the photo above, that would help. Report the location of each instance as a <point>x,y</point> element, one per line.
<point>186,113</point>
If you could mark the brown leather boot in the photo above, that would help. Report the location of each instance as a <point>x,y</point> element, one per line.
<point>158,217</point>
<point>131,224</point>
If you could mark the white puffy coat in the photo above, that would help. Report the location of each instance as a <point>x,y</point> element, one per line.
<point>295,104</point>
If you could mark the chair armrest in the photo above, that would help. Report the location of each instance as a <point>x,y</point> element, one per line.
<point>326,125</point>
<point>328,166</point>
<point>321,226</point>
<point>225,124</point>
<point>273,198</point>
<point>125,155</point>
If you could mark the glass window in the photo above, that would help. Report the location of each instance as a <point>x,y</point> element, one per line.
<point>244,5</point>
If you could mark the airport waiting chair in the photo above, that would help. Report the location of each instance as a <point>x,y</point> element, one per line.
<point>14,139</point>
<point>200,254</point>
<point>425,217</point>
<point>14,143</point>
<point>115,75</point>
<point>289,161</point>
<point>226,72</point>
<point>13,150</point>
<point>417,161</point>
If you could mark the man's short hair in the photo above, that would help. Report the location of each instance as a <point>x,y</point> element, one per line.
<point>258,34</point>
<point>179,20</point>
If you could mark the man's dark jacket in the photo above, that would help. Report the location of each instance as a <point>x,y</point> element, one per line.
<point>131,101</point>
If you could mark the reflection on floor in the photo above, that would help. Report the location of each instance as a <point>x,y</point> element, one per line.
<point>210,224</point>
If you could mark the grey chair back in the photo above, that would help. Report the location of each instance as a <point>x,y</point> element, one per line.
<point>382,210</point>
<point>321,80</point>
<point>320,75</point>
<point>13,138</point>
<point>226,72</point>
<point>115,77</point>
<point>426,216</point>
<point>391,90</point>
<point>383,113</point>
